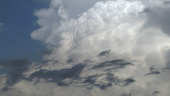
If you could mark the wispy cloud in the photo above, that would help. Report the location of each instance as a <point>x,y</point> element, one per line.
<point>1,26</point>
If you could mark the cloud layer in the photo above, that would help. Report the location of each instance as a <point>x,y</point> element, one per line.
<point>99,48</point>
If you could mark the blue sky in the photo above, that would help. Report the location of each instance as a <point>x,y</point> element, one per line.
<point>19,21</point>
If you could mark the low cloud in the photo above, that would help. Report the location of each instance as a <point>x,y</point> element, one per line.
<point>59,76</point>
<point>14,70</point>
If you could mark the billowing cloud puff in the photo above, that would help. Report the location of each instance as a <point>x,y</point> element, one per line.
<point>132,30</point>
<point>100,48</point>
<point>124,27</point>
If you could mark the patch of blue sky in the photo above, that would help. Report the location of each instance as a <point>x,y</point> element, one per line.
<point>17,17</point>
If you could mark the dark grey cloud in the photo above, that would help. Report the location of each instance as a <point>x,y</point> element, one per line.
<point>147,10</point>
<point>166,2</point>
<point>68,76</point>
<point>153,71</point>
<point>113,64</point>
<point>104,86</point>
<point>126,82</point>
<point>126,94</point>
<point>14,70</point>
<point>159,17</point>
<point>92,81</point>
<point>103,53</point>
<point>58,76</point>
<point>70,60</point>
<point>155,92</point>
<point>111,80</point>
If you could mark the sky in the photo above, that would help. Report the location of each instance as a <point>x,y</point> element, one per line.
<point>17,22</point>
<point>85,48</point>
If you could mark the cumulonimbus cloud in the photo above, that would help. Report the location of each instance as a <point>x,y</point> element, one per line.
<point>101,48</point>
<point>135,31</point>
<point>116,25</point>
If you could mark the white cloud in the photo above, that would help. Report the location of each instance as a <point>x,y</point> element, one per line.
<point>116,25</point>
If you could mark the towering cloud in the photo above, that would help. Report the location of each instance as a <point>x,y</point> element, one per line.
<point>130,29</point>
